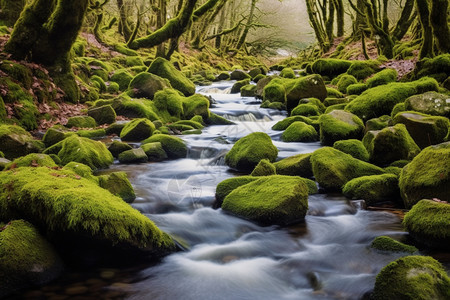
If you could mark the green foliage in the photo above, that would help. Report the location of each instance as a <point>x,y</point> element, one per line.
<point>385,243</point>
<point>299,132</point>
<point>373,188</point>
<point>353,147</point>
<point>173,146</point>
<point>339,125</point>
<point>81,122</point>
<point>412,278</point>
<point>137,130</point>
<point>264,168</point>
<point>117,183</point>
<point>383,77</point>
<point>249,150</point>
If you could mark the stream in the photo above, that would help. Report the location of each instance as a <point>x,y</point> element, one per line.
<point>326,257</point>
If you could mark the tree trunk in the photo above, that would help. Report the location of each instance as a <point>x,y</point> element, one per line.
<point>339,17</point>
<point>124,27</point>
<point>439,24</point>
<point>427,33</point>
<point>313,19</point>
<point>10,11</point>
<point>404,22</point>
<point>329,22</point>
<point>385,43</point>
<point>243,36</point>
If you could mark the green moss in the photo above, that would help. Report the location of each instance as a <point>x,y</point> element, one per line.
<point>249,150</point>
<point>339,125</point>
<point>344,82</point>
<point>81,122</point>
<point>32,160</point>
<point>93,133</point>
<point>313,101</point>
<point>173,146</point>
<point>373,188</point>
<point>60,201</point>
<point>427,176</point>
<point>112,87</point>
<point>390,144</point>
<point>258,78</point>
<point>393,170</point>
<point>165,69</point>
<point>299,132</point>
<point>430,103</point>
<point>236,88</point>
<point>398,108</point>
<point>285,123</point>
<point>296,165</point>
<point>122,77</point>
<point>196,105</point>
<point>26,258</point>
<point>146,85</point>
<point>190,123</point>
<point>330,67</point>
<point>356,89</point>
<point>118,147</point>
<point>134,61</point>
<point>114,128</point>
<point>385,243</point>
<point>339,106</point>
<point>154,151</point>
<point>81,170</point>
<point>353,147</point>
<point>17,72</point>
<point>100,83</point>
<point>363,69</point>
<point>378,123</point>
<point>333,93</point>
<point>333,168</point>
<point>16,141</point>
<point>215,119</point>
<point>135,108</point>
<point>383,77</point>
<point>305,110</point>
<point>117,183</point>
<point>274,91</point>
<point>137,130</point>
<point>122,48</point>
<point>432,66</point>
<point>311,86</point>
<point>223,76</point>
<point>248,90</point>
<point>264,168</point>
<point>381,100</point>
<point>103,114</point>
<point>170,100</point>
<point>53,136</point>
<point>239,75</point>
<point>412,278</point>
<point>270,200</point>
<point>133,156</point>
<point>287,73</point>
<point>228,185</point>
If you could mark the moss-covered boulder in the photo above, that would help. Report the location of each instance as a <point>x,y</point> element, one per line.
<point>330,66</point>
<point>312,101</point>
<point>390,144</point>
<point>427,176</point>
<point>428,222</point>
<point>339,125</point>
<point>287,73</point>
<point>228,185</point>
<point>361,69</point>
<point>425,130</point>
<point>154,151</point>
<point>274,91</point>
<point>333,168</point>
<point>117,183</point>
<point>305,110</point>
<point>385,243</point>
<point>83,150</point>
<point>32,160</point>
<point>145,85</point>
<point>53,136</point>
<point>248,90</point>
<point>177,79</point>
<point>91,133</point>
<point>379,123</point>
<point>118,147</point>
<point>412,278</point>
<point>249,150</point>
<point>81,170</point>
<point>236,88</point>
<point>137,130</point>
<point>373,188</point>
<point>114,128</point>
<point>81,122</point>
<point>172,145</point>
<point>431,103</point>
<point>239,75</point>
<point>133,156</point>
<point>286,122</point>
<point>264,168</point>
<point>79,216</point>
<point>356,89</point>
<point>296,165</point>
<point>353,147</point>
<point>103,115</point>
<point>196,105</point>
<point>300,132</point>
<point>344,82</point>
<point>16,141</point>
<point>436,67</point>
<point>122,77</point>
<point>26,258</point>
<point>270,200</point>
<point>383,77</point>
<point>311,86</point>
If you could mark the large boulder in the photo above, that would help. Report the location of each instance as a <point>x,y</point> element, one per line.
<point>239,75</point>
<point>16,141</point>
<point>154,151</point>
<point>373,188</point>
<point>299,132</point>
<point>333,168</point>
<point>79,216</point>
<point>32,160</point>
<point>264,168</point>
<point>117,183</point>
<point>383,77</point>
<point>330,66</point>
<point>390,144</point>
<point>103,115</point>
<point>133,156</point>
<point>428,222</point>
<point>353,147</point>
<point>26,258</point>
<point>249,150</point>
<point>426,130</point>
<point>145,85</point>
<point>427,176</point>
<point>270,200</point>
<point>81,122</point>
<point>296,165</point>
<point>196,105</point>
<point>339,125</point>
<point>172,145</point>
<point>430,103</point>
<point>83,150</point>
<point>412,278</point>
<point>274,91</point>
<point>118,147</point>
<point>137,130</point>
<point>177,79</point>
<point>304,87</point>
<point>228,185</point>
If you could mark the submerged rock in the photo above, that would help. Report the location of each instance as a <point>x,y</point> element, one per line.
<point>385,243</point>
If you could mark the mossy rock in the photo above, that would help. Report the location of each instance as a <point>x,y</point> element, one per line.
<point>146,85</point>
<point>118,147</point>
<point>333,101</point>
<point>236,88</point>
<point>261,84</point>
<point>428,222</point>
<point>378,123</point>
<point>274,91</point>
<point>122,48</point>
<point>83,150</point>
<point>191,123</point>
<point>248,151</point>
<point>223,76</point>
<point>103,114</point>
<point>353,147</point>
<point>135,108</point>
<point>26,258</point>
<point>398,108</point>
<point>228,185</point>
<point>117,183</point>
<point>345,81</point>
<point>248,90</point>
<point>432,66</point>
<point>154,151</point>
<point>427,176</point>
<point>81,122</point>
<point>99,83</point>
<point>311,86</point>
<point>270,200</point>
<point>32,160</point>
<point>356,89</point>
<point>430,103</point>
<point>412,278</point>
<point>287,73</point>
<point>388,244</point>
<point>339,106</point>
<point>137,130</point>
<point>296,165</point>
<point>81,170</point>
<point>373,189</point>
<point>339,125</point>
<point>80,216</point>
<point>112,87</point>
<point>363,69</point>
<point>286,122</point>
<point>255,72</point>
<point>390,144</point>
<point>53,136</point>
<point>330,66</point>
<point>305,110</point>
<point>171,101</point>
<point>380,100</point>
<point>426,130</point>
<point>173,146</point>
<point>114,128</point>
<point>300,132</point>
<point>264,168</point>
<point>92,133</point>
<point>177,79</point>
<point>133,156</point>
<point>16,141</point>
<point>239,75</point>
<point>333,93</point>
<point>332,168</point>
<point>313,101</point>
<point>123,78</point>
<point>196,105</point>
<point>383,77</point>
<point>215,119</point>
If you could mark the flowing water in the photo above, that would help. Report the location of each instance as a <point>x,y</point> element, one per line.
<point>326,257</point>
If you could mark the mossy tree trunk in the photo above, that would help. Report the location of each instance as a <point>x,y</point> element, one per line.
<point>244,34</point>
<point>404,22</point>
<point>124,26</point>
<point>314,20</point>
<point>423,9</point>
<point>339,17</point>
<point>10,11</point>
<point>207,17</point>
<point>438,17</point>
